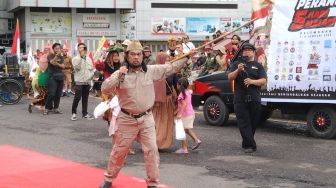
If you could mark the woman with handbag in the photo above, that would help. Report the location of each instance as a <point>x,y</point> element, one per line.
<point>186,113</point>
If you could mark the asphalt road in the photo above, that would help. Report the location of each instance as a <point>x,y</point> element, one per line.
<point>287,156</point>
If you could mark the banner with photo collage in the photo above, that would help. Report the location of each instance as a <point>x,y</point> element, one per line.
<point>301,60</point>
<point>127,24</point>
<point>201,26</point>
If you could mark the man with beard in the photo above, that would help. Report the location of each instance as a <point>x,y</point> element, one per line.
<point>134,86</point>
<point>172,42</point>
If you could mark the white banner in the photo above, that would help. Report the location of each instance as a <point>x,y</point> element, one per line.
<point>96,25</point>
<point>96,18</point>
<point>301,60</point>
<point>92,33</point>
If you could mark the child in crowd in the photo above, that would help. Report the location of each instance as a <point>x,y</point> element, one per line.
<point>186,112</point>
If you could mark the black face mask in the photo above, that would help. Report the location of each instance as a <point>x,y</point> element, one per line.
<point>142,65</point>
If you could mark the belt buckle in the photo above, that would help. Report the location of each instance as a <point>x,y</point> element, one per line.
<point>136,116</point>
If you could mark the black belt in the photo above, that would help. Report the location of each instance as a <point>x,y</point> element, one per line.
<point>136,116</point>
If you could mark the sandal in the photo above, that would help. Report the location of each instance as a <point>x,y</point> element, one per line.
<point>181,151</point>
<point>197,145</point>
<point>131,152</point>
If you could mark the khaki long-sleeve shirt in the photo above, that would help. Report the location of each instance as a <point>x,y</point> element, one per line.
<point>136,93</point>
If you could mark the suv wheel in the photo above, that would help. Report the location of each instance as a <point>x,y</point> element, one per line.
<point>215,111</point>
<point>321,122</point>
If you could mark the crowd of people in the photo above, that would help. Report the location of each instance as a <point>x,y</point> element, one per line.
<point>216,58</point>
<point>145,93</point>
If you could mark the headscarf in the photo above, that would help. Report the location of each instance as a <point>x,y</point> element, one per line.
<point>160,85</point>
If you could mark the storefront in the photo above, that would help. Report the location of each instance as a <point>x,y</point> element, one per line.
<point>66,27</point>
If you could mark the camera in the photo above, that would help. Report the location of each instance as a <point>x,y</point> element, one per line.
<point>172,53</point>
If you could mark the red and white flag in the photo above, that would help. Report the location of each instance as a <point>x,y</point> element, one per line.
<point>91,57</point>
<point>16,41</point>
<point>66,45</point>
<point>78,41</point>
<point>260,10</point>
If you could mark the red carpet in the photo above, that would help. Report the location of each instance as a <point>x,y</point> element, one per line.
<point>20,168</point>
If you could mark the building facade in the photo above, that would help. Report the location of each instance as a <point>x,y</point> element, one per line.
<point>6,27</point>
<point>44,22</point>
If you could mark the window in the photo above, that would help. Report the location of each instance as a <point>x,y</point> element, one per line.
<point>10,25</point>
<point>106,10</point>
<point>195,5</point>
<point>39,9</point>
<point>66,10</point>
<point>86,10</point>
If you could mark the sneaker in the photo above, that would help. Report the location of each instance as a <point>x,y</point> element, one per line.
<point>64,94</point>
<point>46,112</point>
<point>249,150</point>
<point>68,94</point>
<point>57,111</point>
<point>88,117</point>
<point>73,117</point>
<point>30,106</point>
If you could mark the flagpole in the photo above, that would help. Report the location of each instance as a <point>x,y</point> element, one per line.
<point>215,40</point>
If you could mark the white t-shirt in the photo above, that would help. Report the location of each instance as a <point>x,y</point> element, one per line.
<point>114,105</point>
<point>187,47</point>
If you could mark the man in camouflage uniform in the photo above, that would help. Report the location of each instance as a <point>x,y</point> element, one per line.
<point>210,64</point>
<point>148,58</point>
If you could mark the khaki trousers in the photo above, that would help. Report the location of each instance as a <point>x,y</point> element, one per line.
<point>129,129</point>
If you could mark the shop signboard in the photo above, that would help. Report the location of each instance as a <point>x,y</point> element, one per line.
<point>45,23</point>
<point>96,33</point>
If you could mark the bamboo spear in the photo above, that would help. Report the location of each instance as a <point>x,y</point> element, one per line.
<point>215,40</point>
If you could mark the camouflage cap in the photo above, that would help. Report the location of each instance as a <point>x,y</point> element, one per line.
<point>146,48</point>
<point>126,42</point>
<point>171,38</point>
<point>134,45</point>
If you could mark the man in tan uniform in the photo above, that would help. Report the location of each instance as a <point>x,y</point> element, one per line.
<point>67,72</point>
<point>134,86</point>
